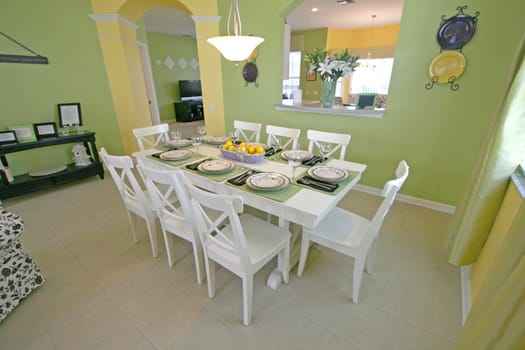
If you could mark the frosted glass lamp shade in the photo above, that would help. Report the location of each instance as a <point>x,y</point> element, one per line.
<point>236,47</point>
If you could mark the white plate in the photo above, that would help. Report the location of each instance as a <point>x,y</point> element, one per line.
<point>328,173</point>
<point>216,166</point>
<point>296,154</point>
<point>267,181</point>
<point>176,155</point>
<point>47,171</point>
<point>217,140</point>
<point>179,143</point>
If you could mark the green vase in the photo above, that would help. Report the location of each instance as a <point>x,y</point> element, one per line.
<point>328,93</point>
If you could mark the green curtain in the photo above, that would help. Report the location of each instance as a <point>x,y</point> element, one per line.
<point>497,318</point>
<point>502,150</point>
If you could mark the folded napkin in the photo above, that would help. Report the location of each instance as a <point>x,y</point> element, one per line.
<point>272,151</point>
<point>195,166</point>
<point>313,161</point>
<point>318,184</point>
<point>240,180</point>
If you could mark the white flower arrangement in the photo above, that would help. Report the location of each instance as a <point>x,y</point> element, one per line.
<point>331,67</point>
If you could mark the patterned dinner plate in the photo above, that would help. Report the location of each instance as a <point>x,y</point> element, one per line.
<point>179,143</point>
<point>296,154</point>
<point>217,140</point>
<point>175,155</point>
<point>216,166</point>
<point>267,181</point>
<point>328,173</point>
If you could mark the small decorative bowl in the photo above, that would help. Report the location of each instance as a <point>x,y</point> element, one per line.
<point>248,158</point>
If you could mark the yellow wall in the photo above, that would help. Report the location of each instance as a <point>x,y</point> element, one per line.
<point>123,62</point>
<point>362,38</point>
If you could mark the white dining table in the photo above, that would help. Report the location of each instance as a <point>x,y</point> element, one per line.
<point>305,208</point>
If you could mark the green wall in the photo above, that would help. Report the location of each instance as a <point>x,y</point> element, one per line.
<point>160,47</point>
<point>312,39</point>
<point>437,131</point>
<point>62,31</point>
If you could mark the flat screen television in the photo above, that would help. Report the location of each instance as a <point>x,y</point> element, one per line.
<point>190,90</point>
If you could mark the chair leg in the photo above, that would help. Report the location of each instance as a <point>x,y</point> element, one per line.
<point>247,298</point>
<point>371,256</point>
<point>168,242</point>
<point>197,254</point>
<point>151,223</point>
<point>305,243</point>
<point>359,266</point>
<point>133,222</point>
<point>210,275</point>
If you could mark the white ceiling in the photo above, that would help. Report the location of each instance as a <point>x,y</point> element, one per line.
<point>354,15</point>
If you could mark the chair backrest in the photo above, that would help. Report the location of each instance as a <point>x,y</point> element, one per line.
<point>389,192</point>
<point>152,135</point>
<point>120,168</point>
<point>340,141</point>
<point>166,192</point>
<point>290,135</point>
<point>212,231</point>
<point>248,131</point>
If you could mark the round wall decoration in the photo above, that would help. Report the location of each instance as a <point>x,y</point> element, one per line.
<point>249,73</point>
<point>456,31</point>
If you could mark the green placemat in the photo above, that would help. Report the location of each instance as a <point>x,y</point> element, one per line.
<point>194,158</point>
<point>279,196</point>
<point>342,184</point>
<point>218,177</point>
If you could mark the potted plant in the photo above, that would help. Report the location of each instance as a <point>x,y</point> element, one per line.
<point>330,68</point>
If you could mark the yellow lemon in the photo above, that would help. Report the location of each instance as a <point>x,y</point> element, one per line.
<point>259,149</point>
<point>252,149</point>
<point>231,148</point>
<point>228,143</point>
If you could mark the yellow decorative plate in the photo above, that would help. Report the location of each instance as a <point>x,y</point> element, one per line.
<point>446,65</point>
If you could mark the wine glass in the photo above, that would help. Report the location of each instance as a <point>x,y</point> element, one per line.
<point>241,152</point>
<point>201,130</point>
<point>234,135</point>
<point>196,142</point>
<point>294,160</point>
<point>325,148</point>
<point>176,135</point>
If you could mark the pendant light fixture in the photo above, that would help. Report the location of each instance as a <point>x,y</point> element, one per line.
<point>368,64</point>
<point>236,47</point>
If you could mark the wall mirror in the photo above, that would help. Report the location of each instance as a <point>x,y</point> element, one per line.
<point>368,29</point>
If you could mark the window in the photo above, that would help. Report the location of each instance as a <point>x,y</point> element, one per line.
<point>372,80</point>
<point>294,75</point>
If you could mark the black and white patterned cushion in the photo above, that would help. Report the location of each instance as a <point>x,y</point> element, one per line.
<point>19,275</point>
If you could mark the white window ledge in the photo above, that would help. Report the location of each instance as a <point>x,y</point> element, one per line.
<point>315,107</point>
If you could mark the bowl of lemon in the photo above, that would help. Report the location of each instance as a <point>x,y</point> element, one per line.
<point>243,152</point>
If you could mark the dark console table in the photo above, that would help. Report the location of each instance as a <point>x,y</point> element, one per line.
<point>25,183</point>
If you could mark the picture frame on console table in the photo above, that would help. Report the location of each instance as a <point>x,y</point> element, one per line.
<point>69,114</point>
<point>45,130</point>
<point>24,133</point>
<point>8,138</point>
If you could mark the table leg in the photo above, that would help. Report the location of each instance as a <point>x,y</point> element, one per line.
<point>275,278</point>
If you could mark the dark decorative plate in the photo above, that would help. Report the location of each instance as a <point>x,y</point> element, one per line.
<point>456,31</point>
<point>249,72</point>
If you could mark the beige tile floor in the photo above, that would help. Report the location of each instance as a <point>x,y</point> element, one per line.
<point>102,291</point>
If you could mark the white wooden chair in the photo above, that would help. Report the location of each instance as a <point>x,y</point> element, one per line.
<point>152,135</point>
<point>242,244</point>
<point>339,141</point>
<point>351,234</point>
<point>248,131</point>
<point>135,200</point>
<point>290,136</point>
<point>171,201</point>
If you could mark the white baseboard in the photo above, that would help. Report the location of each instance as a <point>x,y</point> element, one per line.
<point>445,208</point>
<point>466,300</point>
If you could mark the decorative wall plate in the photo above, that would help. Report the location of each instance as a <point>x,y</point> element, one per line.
<point>249,72</point>
<point>456,31</point>
<point>447,66</point>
